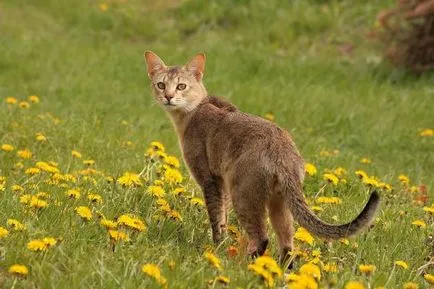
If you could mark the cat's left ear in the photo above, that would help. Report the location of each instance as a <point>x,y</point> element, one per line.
<point>197,66</point>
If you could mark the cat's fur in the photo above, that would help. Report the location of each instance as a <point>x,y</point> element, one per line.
<point>238,156</point>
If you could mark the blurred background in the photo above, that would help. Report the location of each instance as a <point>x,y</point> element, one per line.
<point>351,76</point>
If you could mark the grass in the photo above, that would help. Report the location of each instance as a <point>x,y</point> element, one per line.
<point>289,59</point>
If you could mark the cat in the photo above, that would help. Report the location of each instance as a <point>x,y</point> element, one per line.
<point>238,156</point>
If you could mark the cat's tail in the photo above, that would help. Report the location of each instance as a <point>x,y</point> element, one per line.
<point>307,219</point>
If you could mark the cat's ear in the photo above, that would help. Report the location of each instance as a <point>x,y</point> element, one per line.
<point>154,63</point>
<point>197,66</point>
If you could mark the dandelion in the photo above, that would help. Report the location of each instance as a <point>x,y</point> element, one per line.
<point>328,200</point>
<point>330,267</point>
<point>84,212</point>
<point>365,161</point>
<point>310,169</point>
<point>24,104</point>
<point>118,235</point>
<point>7,147</point>
<point>32,171</point>
<point>3,232</point>
<point>34,99</point>
<point>76,154</point>
<point>197,201</point>
<point>131,222</point>
<point>427,132</point>
<point>108,224</point>
<point>25,154</point>
<point>156,191</point>
<point>11,100</point>
<point>404,180</point>
<point>367,268</point>
<point>19,270</point>
<point>222,280</point>
<point>173,176</point>
<point>419,223</point>
<point>213,260</point>
<point>129,179</point>
<point>157,146</point>
<point>94,198</point>
<point>172,161</point>
<point>410,285</point>
<point>178,191</point>
<point>153,271</point>
<point>354,285</point>
<point>301,281</point>
<point>429,278</point>
<point>73,193</point>
<point>175,215</point>
<point>46,167</point>
<point>37,203</point>
<point>331,178</point>
<point>401,264</point>
<point>16,225</point>
<point>40,137</point>
<point>429,210</point>
<point>266,268</point>
<point>41,244</point>
<point>344,241</point>
<point>312,270</point>
<point>361,174</point>
<point>303,235</point>
<point>88,162</point>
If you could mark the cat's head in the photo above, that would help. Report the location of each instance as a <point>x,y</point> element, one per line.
<point>177,88</point>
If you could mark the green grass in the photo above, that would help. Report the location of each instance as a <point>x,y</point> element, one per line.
<point>279,57</point>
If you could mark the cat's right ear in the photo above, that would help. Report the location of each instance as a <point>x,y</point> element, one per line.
<point>153,63</point>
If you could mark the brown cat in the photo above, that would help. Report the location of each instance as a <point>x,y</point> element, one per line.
<point>235,155</point>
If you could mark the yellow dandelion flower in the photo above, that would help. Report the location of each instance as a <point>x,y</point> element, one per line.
<point>429,210</point>
<point>178,191</point>
<point>269,264</point>
<point>34,99</point>
<point>24,104</point>
<point>118,235</point>
<point>32,171</point>
<point>361,174</point>
<point>76,154</point>
<point>302,282</point>
<point>222,279</point>
<point>49,241</point>
<point>354,285</point>
<point>108,224</point>
<point>311,269</point>
<point>88,162</point>
<point>7,147</point>
<point>429,278</point>
<point>129,179</point>
<point>16,225</point>
<point>263,273</point>
<point>17,188</point>
<point>401,264</point>
<point>172,161</point>
<point>37,203</point>
<point>73,193</point>
<point>11,100</point>
<point>131,222</point>
<point>3,232</point>
<point>24,154</point>
<point>213,260</point>
<point>310,169</point>
<point>419,223</point>
<point>367,268</point>
<point>328,200</point>
<point>175,215</point>
<point>303,235</point>
<point>156,191</point>
<point>157,146</point>
<point>84,212</point>
<point>410,285</point>
<point>46,167</point>
<point>40,137</point>
<point>331,178</point>
<point>427,132</point>
<point>18,269</point>
<point>330,267</point>
<point>370,181</point>
<point>404,180</point>
<point>365,161</point>
<point>41,244</point>
<point>269,116</point>
<point>344,241</point>
<point>153,271</point>
<point>197,201</point>
<point>340,172</point>
<point>173,176</point>
<point>94,198</point>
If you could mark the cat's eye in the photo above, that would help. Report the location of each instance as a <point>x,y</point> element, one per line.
<point>181,86</point>
<point>161,85</point>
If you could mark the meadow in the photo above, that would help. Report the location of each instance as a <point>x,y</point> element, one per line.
<point>93,190</point>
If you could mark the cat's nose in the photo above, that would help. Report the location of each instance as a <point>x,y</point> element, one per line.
<point>168,96</point>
